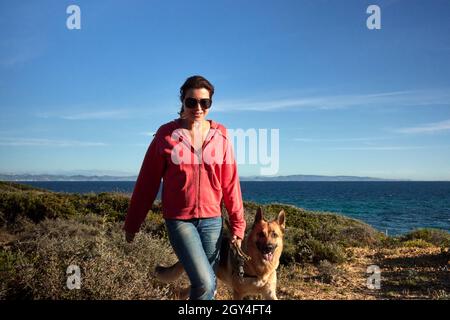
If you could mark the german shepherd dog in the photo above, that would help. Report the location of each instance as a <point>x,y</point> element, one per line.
<point>263,245</point>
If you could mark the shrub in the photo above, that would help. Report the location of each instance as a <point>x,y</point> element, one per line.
<point>434,236</point>
<point>300,246</point>
<point>328,272</point>
<point>33,205</point>
<point>154,224</point>
<point>320,251</point>
<point>111,205</point>
<point>418,243</point>
<point>8,186</point>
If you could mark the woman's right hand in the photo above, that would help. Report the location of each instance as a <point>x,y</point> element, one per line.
<point>129,236</point>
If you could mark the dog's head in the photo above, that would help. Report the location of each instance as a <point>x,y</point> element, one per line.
<point>266,237</point>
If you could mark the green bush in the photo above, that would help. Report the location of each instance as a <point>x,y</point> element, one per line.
<point>390,242</point>
<point>37,205</point>
<point>34,205</point>
<point>319,251</point>
<point>114,206</point>
<point>434,236</point>
<point>7,186</point>
<point>301,246</point>
<point>154,224</point>
<point>417,243</point>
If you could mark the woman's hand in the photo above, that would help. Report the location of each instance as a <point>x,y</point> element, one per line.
<point>236,240</point>
<point>129,236</point>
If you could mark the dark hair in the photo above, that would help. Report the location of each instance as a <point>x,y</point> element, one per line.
<point>195,82</point>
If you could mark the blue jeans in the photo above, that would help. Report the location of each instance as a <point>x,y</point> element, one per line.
<point>196,243</point>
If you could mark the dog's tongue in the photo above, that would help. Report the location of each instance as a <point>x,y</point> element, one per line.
<point>268,256</point>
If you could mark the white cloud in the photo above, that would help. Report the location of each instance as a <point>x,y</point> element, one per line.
<point>382,148</point>
<point>33,142</point>
<point>394,99</point>
<point>98,115</point>
<point>339,139</point>
<point>89,115</point>
<point>427,128</point>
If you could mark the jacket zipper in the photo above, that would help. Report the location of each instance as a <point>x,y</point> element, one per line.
<point>198,175</point>
<point>198,214</point>
<point>198,185</point>
<point>200,158</point>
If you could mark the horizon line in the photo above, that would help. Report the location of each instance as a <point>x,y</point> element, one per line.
<point>240,176</point>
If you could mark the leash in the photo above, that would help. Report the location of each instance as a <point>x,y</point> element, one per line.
<point>239,257</point>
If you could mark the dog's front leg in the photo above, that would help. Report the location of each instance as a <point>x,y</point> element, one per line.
<point>270,295</point>
<point>270,292</point>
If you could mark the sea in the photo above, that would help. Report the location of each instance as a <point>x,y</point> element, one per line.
<point>393,207</point>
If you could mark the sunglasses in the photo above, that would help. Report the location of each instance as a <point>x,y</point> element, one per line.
<point>191,103</point>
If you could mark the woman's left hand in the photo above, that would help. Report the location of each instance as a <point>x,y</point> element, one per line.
<point>236,240</point>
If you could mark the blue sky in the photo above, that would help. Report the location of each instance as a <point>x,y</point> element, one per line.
<point>347,100</point>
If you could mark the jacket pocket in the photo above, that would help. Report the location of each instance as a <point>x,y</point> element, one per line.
<point>211,190</point>
<point>213,180</point>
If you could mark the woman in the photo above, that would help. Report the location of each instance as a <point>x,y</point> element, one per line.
<point>194,158</point>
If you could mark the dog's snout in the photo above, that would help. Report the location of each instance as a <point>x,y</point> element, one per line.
<point>268,248</point>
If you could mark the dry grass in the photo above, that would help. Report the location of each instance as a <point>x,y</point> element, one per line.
<point>415,273</point>
<point>35,261</point>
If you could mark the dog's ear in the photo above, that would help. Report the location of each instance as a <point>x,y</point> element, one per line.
<point>282,220</point>
<point>259,215</point>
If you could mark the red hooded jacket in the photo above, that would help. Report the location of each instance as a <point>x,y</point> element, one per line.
<point>194,183</point>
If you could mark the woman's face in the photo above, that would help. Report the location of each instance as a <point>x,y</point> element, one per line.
<point>197,113</point>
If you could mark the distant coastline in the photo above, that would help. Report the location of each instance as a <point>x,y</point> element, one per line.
<point>81,177</point>
<point>301,177</point>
